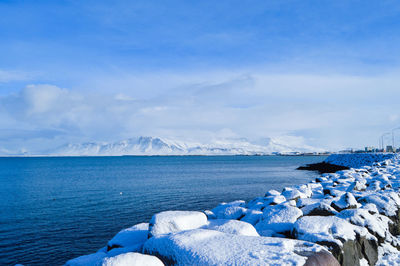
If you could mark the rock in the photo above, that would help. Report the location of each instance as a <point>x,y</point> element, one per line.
<point>346,201</point>
<point>327,229</point>
<point>134,236</point>
<point>175,221</point>
<point>207,247</point>
<point>232,227</point>
<point>319,209</point>
<point>261,202</point>
<point>359,186</point>
<point>355,250</point>
<point>322,167</point>
<point>95,259</point>
<point>232,210</point>
<point>377,225</point>
<point>322,258</point>
<point>132,259</point>
<point>252,217</point>
<point>272,192</point>
<point>347,242</point>
<point>387,203</point>
<point>279,218</point>
<point>308,201</point>
<point>210,214</point>
<point>292,194</point>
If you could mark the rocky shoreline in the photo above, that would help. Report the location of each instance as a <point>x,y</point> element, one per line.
<point>351,217</point>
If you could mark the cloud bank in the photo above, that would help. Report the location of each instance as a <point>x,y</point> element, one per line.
<point>327,111</point>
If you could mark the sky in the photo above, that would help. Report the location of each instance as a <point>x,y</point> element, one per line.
<point>325,72</point>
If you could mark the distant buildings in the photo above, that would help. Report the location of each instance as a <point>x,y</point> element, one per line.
<point>389,148</point>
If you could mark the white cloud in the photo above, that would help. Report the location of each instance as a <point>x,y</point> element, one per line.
<point>8,76</point>
<point>322,110</point>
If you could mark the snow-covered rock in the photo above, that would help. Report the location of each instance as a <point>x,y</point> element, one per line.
<point>134,237</point>
<point>318,209</point>
<point>278,218</point>
<point>327,229</point>
<point>346,201</point>
<point>293,194</point>
<point>231,210</point>
<point>175,221</point>
<point>95,259</point>
<point>356,160</point>
<point>232,227</point>
<point>208,247</point>
<point>132,259</point>
<point>252,216</point>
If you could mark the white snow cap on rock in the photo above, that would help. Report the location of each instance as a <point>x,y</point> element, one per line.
<point>231,210</point>
<point>132,259</point>
<point>95,259</point>
<point>175,221</point>
<point>327,228</point>
<point>132,236</point>
<point>232,227</point>
<point>278,218</point>
<point>208,247</point>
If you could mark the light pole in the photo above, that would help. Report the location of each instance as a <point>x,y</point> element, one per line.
<point>393,130</point>
<point>382,137</point>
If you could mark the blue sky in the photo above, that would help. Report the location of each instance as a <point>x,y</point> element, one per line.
<point>74,71</point>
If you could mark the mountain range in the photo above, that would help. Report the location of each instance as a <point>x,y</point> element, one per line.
<point>163,146</point>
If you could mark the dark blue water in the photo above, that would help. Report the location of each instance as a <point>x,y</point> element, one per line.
<point>55,209</point>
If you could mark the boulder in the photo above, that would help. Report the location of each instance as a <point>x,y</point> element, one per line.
<point>207,247</point>
<point>252,217</point>
<point>347,242</point>
<point>377,224</point>
<point>175,221</point>
<point>95,259</point>
<point>278,218</point>
<point>134,236</point>
<point>232,227</point>
<point>232,210</point>
<point>292,194</point>
<point>318,209</point>
<point>132,259</point>
<point>322,258</point>
<point>346,201</point>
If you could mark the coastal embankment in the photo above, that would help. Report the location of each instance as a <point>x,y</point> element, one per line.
<point>350,217</point>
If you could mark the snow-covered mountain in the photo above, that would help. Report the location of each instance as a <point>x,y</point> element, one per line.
<point>162,146</point>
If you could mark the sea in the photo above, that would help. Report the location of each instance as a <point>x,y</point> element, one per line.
<point>53,209</point>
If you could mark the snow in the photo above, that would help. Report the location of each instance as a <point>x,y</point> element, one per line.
<point>231,210</point>
<point>376,223</point>
<point>292,194</point>
<point>388,255</point>
<point>327,228</point>
<point>346,201</point>
<point>319,208</point>
<point>133,236</point>
<point>207,247</point>
<point>384,203</point>
<point>164,146</point>
<point>232,227</point>
<point>278,218</point>
<point>95,259</point>
<point>175,221</point>
<point>252,216</point>
<point>132,259</point>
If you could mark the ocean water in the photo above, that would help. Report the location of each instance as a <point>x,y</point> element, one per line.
<point>55,209</point>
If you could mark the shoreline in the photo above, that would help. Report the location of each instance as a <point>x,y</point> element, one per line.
<point>349,200</point>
